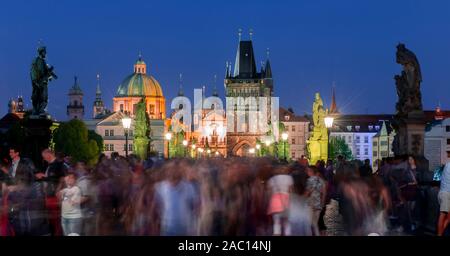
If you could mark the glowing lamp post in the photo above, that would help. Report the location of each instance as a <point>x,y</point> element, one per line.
<point>284,137</point>
<point>329,119</point>
<point>185,143</point>
<point>168,137</point>
<point>258,147</point>
<point>126,123</point>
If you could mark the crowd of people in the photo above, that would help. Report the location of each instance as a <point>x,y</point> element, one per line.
<point>213,196</point>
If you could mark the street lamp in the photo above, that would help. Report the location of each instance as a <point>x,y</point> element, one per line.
<point>284,137</point>
<point>126,122</point>
<point>168,138</point>
<point>258,147</point>
<point>185,143</point>
<point>329,119</point>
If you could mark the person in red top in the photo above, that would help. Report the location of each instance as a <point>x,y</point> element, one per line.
<point>303,161</point>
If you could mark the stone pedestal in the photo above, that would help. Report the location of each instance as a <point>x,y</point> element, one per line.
<point>410,137</point>
<point>318,150</point>
<point>37,138</point>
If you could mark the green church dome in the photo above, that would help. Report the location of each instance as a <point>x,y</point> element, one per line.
<point>139,83</point>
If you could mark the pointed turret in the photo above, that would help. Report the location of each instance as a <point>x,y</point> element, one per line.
<point>215,93</point>
<point>333,107</point>
<point>180,89</point>
<point>244,66</point>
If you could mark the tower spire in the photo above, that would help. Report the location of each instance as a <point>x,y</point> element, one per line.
<point>240,34</point>
<point>215,93</point>
<point>98,92</point>
<point>250,32</point>
<point>333,107</point>
<point>180,89</point>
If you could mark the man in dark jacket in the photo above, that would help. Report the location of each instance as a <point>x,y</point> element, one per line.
<point>366,169</point>
<point>51,179</point>
<point>25,198</point>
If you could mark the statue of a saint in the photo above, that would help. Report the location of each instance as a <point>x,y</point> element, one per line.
<point>408,82</point>
<point>41,73</point>
<point>319,114</point>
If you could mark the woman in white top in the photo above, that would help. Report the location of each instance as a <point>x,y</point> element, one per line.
<point>71,217</point>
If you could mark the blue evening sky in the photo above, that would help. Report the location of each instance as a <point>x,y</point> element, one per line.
<point>312,44</point>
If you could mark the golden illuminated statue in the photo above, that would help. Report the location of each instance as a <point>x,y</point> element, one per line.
<point>318,142</point>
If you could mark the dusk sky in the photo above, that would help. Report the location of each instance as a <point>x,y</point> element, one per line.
<point>312,44</point>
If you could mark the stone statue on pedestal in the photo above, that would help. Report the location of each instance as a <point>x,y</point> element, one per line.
<point>408,83</point>
<point>318,142</point>
<point>409,120</point>
<point>41,73</point>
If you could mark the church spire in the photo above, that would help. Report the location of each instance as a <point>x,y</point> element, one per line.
<point>98,92</point>
<point>215,93</point>
<point>268,69</point>
<point>180,89</point>
<point>333,107</point>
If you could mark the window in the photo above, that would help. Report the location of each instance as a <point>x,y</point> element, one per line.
<point>287,127</point>
<point>121,107</point>
<point>357,127</point>
<point>152,109</point>
<point>370,127</point>
<point>106,147</point>
<point>366,151</point>
<point>134,109</point>
<point>448,141</point>
<point>375,153</point>
<point>383,143</point>
<point>384,154</point>
<point>447,128</point>
<point>349,128</point>
<point>293,141</point>
<point>293,128</point>
<point>130,147</point>
<point>357,139</point>
<point>106,133</point>
<point>377,127</point>
<point>111,147</point>
<point>375,143</point>
<point>111,132</point>
<point>286,117</point>
<point>358,151</point>
<point>130,133</point>
<point>293,154</point>
<point>448,154</point>
<point>349,139</point>
<point>366,139</point>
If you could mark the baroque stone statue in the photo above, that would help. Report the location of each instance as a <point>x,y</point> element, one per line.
<point>319,113</point>
<point>408,83</point>
<point>318,142</point>
<point>41,73</point>
<point>409,122</point>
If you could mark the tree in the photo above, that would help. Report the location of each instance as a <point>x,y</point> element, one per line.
<point>92,135</point>
<point>72,139</point>
<point>339,147</point>
<point>141,131</point>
